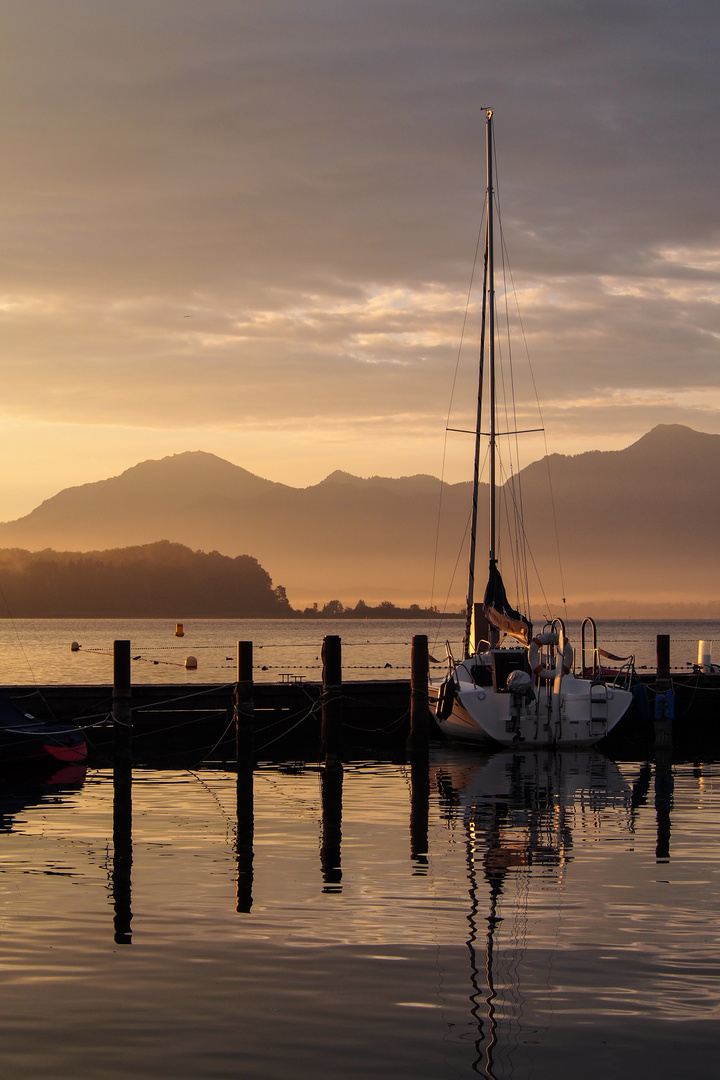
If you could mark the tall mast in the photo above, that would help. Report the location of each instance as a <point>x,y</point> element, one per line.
<point>494,635</point>
<point>488,292</point>
<point>491,335</point>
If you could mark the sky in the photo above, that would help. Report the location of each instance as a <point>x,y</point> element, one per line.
<point>248,227</point>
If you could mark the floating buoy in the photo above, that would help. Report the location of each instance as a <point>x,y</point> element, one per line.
<point>190,663</point>
<point>179,631</point>
<point>74,647</point>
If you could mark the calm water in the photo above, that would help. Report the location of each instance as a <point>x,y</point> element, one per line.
<point>37,650</point>
<point>523,915</point>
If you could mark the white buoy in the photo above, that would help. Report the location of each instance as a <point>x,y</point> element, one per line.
<point>705,654</point>
<point>190,663</point>
<point>179,631</point>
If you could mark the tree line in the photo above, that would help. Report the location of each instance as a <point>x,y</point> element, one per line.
<point>158,581</point>
<point>385,610</point>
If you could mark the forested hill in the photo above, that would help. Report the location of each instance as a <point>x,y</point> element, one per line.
<point>161,580</point>
<point>629,527</point>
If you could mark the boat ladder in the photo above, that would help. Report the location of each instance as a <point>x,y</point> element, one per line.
<point>598,708</point>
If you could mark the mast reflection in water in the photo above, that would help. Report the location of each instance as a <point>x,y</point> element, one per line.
<point>517,813</point>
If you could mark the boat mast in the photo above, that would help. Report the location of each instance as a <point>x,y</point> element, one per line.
<point>494,635</point>
<point>487,293</point>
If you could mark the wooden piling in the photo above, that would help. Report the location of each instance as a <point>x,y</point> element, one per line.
<point>331,737</point>
<point>419,736</point>
<point>664,700</point>
<point>662,649</point>
<point>244,701</point>
<point>122,704</point>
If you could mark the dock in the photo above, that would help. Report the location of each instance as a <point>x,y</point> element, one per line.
<point>197,723</point>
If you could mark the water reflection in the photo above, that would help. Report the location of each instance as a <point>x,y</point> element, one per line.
<point>664,788</point>
<point>245,834</point>
<point>468,914</point>
<point>122,852</point>
<point>419,813</point>
<point>331,836</point>
<point>21,789</point>
<point>518,811</point>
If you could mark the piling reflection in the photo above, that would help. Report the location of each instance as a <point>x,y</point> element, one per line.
<point>517,811</point>
<point>331,838</point>
<point>122,852</point>
<point>419,812</point>
<point>245,834</point>
<point>664,788</point>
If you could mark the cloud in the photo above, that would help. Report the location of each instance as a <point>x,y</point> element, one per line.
<point>265,214</point>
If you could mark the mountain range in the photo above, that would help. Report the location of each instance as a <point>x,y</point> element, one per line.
<point>633,527</point>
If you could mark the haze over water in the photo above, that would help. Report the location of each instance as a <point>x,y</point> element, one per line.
<point>39,650</point>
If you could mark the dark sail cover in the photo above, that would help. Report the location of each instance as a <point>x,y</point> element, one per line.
<point>500,614</point>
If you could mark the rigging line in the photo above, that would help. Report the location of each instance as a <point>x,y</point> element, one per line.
<point>230,821</point>
<point>504,262</point>
<point>507,270</point>
<point>516,547</point>
<point>529,554</point>
<point>450,403</point>
<point>513,496</point>
<point>461,548</point>
<point>519,529</point>
<point>544,433</point>
<point>22,650</point>
<point>516,533</point>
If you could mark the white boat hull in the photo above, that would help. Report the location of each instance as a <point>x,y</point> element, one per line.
<point>567,712</point>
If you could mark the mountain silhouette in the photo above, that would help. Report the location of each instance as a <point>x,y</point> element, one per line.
<point>631,525</point>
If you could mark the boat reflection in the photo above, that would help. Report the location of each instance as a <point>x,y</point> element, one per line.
<point>31,786</point>
<point>518,811</point>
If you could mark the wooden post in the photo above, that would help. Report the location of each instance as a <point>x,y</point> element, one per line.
<point>662,647</point>
<point>664,699</point>
<point>244,701</point>
<point>419,708</point>
<point>664,712</point>
<point>122,704</point>
<point>331,737</point>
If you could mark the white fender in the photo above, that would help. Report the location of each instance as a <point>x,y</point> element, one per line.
<point>534,657</point>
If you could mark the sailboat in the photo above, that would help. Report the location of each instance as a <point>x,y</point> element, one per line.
<point>527,694</point>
